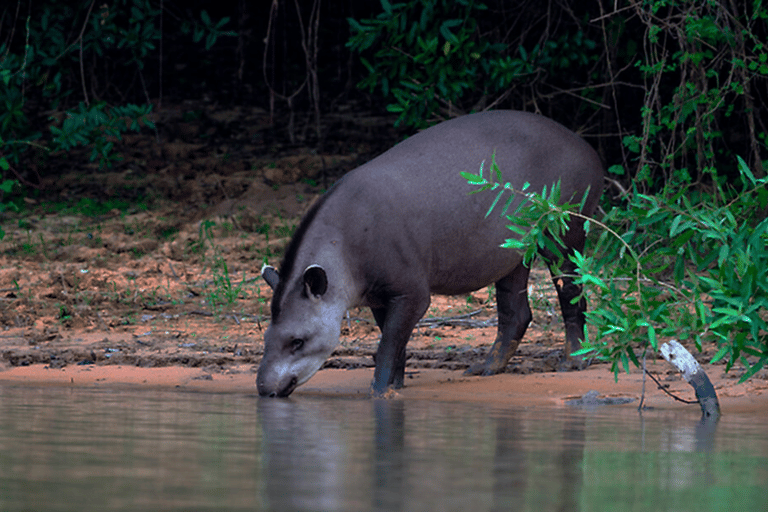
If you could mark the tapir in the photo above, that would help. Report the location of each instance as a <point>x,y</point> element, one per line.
<point>405,225</point>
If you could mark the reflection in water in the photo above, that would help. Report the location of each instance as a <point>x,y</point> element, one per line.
<point>388,482</point>
<point>90,449</point>
<point>509,465</point>
<point>310,438</point>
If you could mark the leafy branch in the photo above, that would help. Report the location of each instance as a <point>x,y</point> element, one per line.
<point>661,267</point>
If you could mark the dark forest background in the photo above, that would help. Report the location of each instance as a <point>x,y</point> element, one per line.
<point>664,89</point>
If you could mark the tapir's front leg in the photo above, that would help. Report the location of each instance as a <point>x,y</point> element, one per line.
<point>402,314</point>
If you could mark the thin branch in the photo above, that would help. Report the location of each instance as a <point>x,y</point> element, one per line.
<point>272,92</point>
<point>661,387</point>
<point>160,61</point>
<point>609,14</point>
<point>80,40</point>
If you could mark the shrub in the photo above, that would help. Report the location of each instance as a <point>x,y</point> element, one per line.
<point>431,59</point>
<point>678,264</point>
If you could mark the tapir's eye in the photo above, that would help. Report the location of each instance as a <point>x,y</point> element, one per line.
<point>296,344</point>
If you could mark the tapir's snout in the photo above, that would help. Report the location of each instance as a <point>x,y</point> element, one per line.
<point>277,389</point>
<point>290,360</point>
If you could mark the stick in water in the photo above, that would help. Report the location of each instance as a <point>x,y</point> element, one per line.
<point>677,355</point>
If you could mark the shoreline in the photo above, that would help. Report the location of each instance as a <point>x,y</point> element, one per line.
<point>549,389</point>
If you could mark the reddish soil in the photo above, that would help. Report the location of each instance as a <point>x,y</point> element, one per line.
<point>163,290</point>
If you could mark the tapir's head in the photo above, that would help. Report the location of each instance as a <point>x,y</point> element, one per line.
<point>303,333</point>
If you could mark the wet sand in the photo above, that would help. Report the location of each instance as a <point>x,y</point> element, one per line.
<point>550,389</point>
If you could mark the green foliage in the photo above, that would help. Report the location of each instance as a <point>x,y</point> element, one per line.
<point>6,186</point>
<point>88,207</point>
<point>672,265</point>
<point>429,54</point>
<point>701,63</point>
<point>208,28</point>
<point>426,55</point>
<point>99,127</point>
<point>67,48</point>
<point>540,216</point>
<point>221,292</point>
<point>679,83</point>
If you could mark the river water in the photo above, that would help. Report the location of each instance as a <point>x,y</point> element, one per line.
<point>103,449</point>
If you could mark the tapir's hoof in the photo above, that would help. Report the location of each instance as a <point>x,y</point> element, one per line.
<point>387,394</point>
<point>475,369</point>
<point>496,362</point>
<point>484,369</point>
<point>389,391</point>
<point>573,364</point>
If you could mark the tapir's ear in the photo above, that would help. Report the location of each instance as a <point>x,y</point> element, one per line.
<point>315,281</point>
<point>270,275</point>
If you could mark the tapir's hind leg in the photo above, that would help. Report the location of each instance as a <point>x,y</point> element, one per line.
<point>514,317</point>
<point>573,313</point>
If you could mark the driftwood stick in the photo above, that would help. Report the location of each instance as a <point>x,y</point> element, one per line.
<point>678,356</point>
<point>464,320</point>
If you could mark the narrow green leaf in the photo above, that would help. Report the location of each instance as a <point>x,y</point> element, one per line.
<point>493,205</point>
<point>652,338</point>
<point>722,255</point>
<point>473,179</point>
<point>675,223</point>
<point>495,167</point>
<point>625,360</point>
<point>582,351</point>
<point>507,205</point>
<point>745,171</point>
<point>513,243</point>
<point>516,229</point>
<point>753,370</point>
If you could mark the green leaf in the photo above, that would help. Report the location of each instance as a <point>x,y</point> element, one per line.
<point>722,255</point>
<point>493,205</point>
<point>652,338</point>
<point>517,229</point>
<point>673,229</point>
<point>617,169</point>
<point>745,171</point>
<point>753,370</point>
<point>473,179</point>
<point>513,243</point>
<point>625,359</point>
<point>446,33</point>
<point>582,351</point>
<point>7,185</point>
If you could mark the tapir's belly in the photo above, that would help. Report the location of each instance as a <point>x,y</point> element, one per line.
<point>468,261</point>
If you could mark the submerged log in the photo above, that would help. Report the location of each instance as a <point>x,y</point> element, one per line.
<point>677,355</point>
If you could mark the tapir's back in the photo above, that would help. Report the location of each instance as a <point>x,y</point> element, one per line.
<point>411,207</point>
<point>527,147</point>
